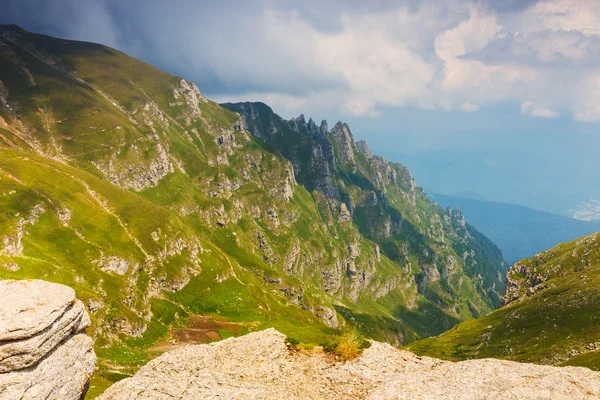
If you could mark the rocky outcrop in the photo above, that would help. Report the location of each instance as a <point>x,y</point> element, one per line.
<point>44,352</point>
<point>137,172</point>
<point>364,148</point>
<point>523,281</point>
<point>261,366</point>
<point>345,142</point>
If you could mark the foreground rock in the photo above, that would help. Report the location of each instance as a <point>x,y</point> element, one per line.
<point>44,352</point>
<point>259,366</point>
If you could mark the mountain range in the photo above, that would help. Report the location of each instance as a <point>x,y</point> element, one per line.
<point>178,220</point>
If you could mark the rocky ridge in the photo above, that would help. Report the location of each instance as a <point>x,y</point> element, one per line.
<point>44,351</point>
<point>261,366</point>
<point>383,201</point>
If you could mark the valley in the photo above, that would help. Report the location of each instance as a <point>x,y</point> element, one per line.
<point>520,232</point>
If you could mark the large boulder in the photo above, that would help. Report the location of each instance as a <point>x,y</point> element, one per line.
<point>44,352</point>
<point>260,366</point>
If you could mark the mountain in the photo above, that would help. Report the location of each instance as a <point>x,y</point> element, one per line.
<point>177,221</point>
<point>520,232</point>
<point>386,205</point>
<point>551,316</point>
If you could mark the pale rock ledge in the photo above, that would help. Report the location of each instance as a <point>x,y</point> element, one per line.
<point>260,366</point>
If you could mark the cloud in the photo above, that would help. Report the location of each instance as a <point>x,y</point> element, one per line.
<point>468,107</point>
<point>360,107</point>
<point>354,58</point>
<point>528,109</point>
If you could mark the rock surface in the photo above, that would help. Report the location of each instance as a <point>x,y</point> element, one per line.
<point>259,365</point>
<point>43,350</point>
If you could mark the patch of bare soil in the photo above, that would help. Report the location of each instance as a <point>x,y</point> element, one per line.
<point>199,329</point>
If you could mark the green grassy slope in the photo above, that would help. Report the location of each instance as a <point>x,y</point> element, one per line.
<point>158,207</point>
<point>553,314</point>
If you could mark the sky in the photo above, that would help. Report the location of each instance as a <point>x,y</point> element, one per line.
<point>510,79</point>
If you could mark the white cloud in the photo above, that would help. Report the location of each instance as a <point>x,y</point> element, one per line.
<point>360,107</point>
<point>529,109</point>
<point>468,107</point>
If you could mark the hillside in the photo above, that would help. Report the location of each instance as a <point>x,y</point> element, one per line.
<point>552,314</point>
<point>520,232</point>
<point>175,224</point>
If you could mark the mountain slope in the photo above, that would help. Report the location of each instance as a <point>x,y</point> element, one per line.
<point>174,224</point>
<point>387,207</point>
<point>552,314</point>
<point>520,232</point>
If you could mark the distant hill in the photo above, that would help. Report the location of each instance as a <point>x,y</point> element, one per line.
<point>552,313</point>
<point>519,231</point>
<point>470,194</point>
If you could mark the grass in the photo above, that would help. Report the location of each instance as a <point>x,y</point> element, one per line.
<point>559,325</point>
<point>346,346</point>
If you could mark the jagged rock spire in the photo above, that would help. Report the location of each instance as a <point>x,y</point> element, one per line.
<point>345,141</point>
<point>364,148</point>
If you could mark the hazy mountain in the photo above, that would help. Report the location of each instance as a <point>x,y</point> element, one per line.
<point>520,232</point>
<point>532,177</point>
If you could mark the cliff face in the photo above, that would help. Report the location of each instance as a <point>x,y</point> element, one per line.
<point>44,351</point>
<point>157,205</point>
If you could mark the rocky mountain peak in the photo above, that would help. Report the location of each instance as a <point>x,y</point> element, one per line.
<point>323,128</point>
<point>313,129</point>
<point>343,137</point>
<point>364,148</point>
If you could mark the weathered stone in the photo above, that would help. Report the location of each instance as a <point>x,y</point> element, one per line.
<point>19,354</point>
<point>364,148</point>
<point>343,137</point>
<point>43,351</point>
<point>260,366</point>
<point>63,374</point>
<point>31,306</point>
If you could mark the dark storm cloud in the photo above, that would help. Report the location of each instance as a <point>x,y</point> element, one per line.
<point>353,56</point>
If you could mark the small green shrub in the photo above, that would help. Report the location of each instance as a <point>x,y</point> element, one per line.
<point>290,341</point>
